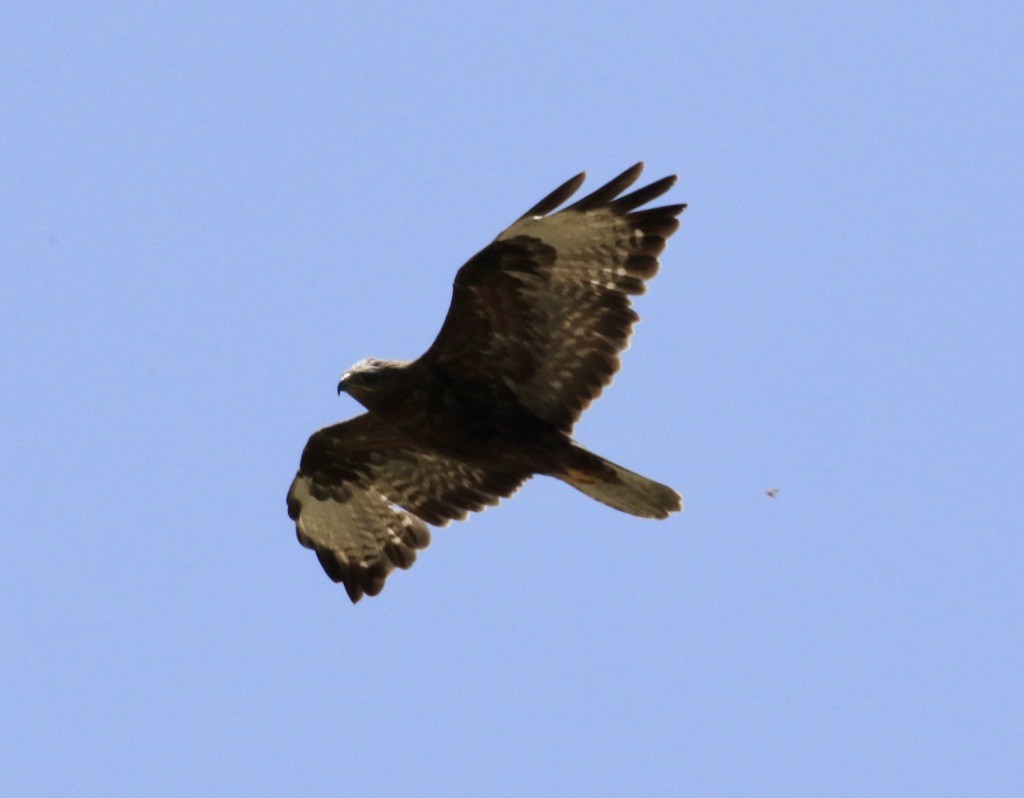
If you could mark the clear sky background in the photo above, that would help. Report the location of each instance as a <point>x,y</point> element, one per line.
<point>208,211</point>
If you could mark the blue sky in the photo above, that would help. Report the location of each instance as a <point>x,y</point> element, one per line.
<point>210,210</point>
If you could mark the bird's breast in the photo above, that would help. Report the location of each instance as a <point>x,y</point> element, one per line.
<point>467,418</point>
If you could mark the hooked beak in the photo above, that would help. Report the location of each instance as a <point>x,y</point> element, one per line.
<point>343,385</point>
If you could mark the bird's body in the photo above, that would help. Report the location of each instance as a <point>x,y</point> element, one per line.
<point>456,415</point>
<point>532,336</point>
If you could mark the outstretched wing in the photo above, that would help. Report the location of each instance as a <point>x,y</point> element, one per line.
<point>545,307</point>
<point>364,495</point>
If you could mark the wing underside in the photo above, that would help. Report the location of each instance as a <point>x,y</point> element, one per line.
<point>364,495</point>
<point>546,307</point>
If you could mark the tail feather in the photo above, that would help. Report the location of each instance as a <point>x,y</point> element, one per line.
<point>618,487</point>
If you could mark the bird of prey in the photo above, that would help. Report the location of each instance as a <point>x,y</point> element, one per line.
<point>533,334</point>
<point>772,493</point>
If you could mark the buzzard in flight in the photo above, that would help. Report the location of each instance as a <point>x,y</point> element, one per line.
<point>536,324</point>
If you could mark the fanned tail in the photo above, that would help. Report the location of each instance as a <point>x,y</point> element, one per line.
<point>618,487</point>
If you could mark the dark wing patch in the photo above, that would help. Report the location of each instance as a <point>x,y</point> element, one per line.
<point>364,495</point>
<point>546,306</point>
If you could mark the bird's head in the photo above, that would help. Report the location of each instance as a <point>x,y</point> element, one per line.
<point>362,376</point>
<point>367,378</point>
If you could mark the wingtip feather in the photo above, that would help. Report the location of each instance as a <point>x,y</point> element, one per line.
<point>556,197</point>
<point>610,190</point>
